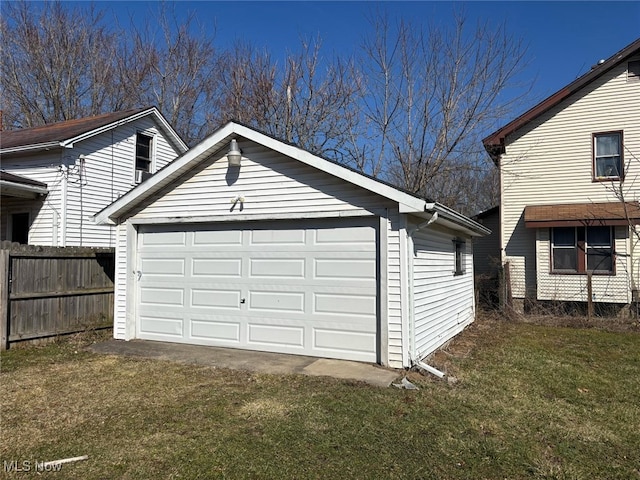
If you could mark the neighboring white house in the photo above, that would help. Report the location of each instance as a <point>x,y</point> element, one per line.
<point>288,252</point>
<point>561,164</point>
<point>80,166</point>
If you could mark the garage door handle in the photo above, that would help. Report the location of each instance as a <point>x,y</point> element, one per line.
<point>243,300</point>
<point>138,274</point>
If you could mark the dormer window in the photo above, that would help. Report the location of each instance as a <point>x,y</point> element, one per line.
<point>607,156</point>
<point>144,149</point>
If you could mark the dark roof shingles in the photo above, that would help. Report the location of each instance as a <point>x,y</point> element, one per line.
<point>60,131</point>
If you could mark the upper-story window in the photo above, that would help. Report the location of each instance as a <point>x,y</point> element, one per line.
<point>144,152</point>
<point>607,156</point>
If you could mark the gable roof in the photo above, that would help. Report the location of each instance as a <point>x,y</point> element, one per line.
<point>494,144</point>
<point>219,140</point>
<point>64,134</point>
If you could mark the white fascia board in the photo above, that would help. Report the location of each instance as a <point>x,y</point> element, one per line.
<point>111,213</point>
<point>150,111</point>
<point>29,148</point>
<point>456,221</point>
<point>33,189</point>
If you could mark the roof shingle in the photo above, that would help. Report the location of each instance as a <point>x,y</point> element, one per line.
<point>60,131</point>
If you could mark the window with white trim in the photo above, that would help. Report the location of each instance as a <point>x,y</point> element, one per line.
<point>582,249</point>
<point>607,156</point>
<point>144,152</point>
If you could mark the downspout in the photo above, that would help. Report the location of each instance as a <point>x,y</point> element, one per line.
<point>412,344</point>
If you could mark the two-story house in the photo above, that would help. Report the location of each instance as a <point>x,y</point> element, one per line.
<point>56,176</point>
<point>570,185</point>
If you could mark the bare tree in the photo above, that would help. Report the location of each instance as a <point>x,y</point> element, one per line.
<point>431,94</point>
<point>309,101</point>
<point>411,110</point>
<point>57,64</point>
<point>167,65</point>
<point>246,86</point>
<point>62,62</point>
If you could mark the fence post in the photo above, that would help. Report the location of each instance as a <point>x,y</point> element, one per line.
<point>589,296</point>
<point>4,298</point>
<point>506,300</point>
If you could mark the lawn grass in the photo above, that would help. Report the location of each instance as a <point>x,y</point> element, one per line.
<point>529,402</point>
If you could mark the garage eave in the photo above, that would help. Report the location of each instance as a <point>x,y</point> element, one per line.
<point>217,143</point>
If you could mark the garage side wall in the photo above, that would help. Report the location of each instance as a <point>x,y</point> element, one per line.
<point>443,300</point>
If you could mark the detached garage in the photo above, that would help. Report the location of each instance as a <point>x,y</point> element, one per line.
<point>248,242</point>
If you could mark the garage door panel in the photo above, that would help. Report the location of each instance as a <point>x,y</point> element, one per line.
<point>217,267</point>
<point>290,268</point>
<point>346,235</point>
<point>345,305</point>
<point>277,237</point>
<point>274,301</point>
<point>217,238</point>
<point>266,334</point>
<point>161,324</point>
<point>345,269</point>
<point>216,330</point>
<point>345,341</point>
<point>164,239</point>
<point>216,298</point>
<point>163,266</point>
<point>162,296</point>
<point>308,291</point>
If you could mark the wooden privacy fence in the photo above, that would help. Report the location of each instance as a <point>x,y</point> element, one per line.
<point>47,291</point>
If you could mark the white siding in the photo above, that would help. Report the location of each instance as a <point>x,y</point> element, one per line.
<point>120,284</point>
<point>108,174</point>
<point>46,220</point>
<point>270,184</point>
<point>605,288</point>
<point>550,162</point>
<point>394,299</point>
<point>443,302</point>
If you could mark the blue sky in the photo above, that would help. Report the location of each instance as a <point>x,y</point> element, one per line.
<point>564,38</point>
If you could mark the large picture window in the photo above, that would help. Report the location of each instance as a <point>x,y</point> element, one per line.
<point>582,249</point>
<point>607,156</point>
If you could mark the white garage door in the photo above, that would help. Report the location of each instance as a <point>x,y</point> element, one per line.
<point>276,287</point>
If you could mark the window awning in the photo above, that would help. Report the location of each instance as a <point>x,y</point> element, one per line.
<point>582,214</point>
